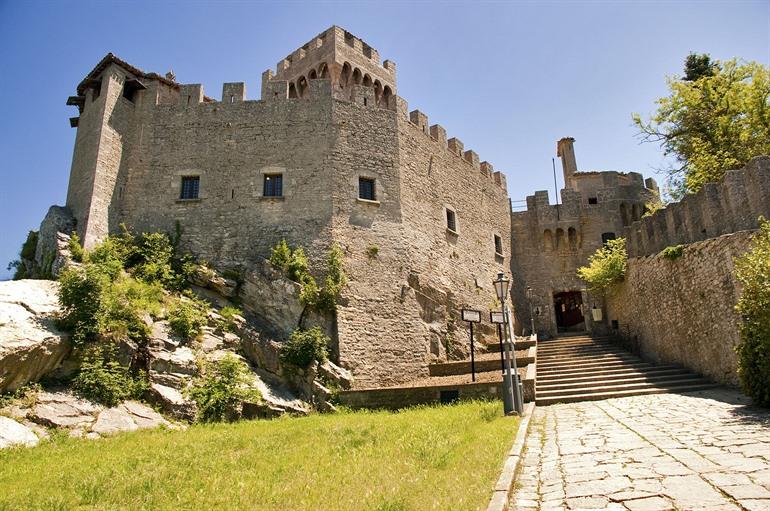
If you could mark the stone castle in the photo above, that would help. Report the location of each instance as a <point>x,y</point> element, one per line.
<point>331,154</point>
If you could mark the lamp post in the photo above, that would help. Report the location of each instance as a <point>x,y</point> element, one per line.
<point>531,314</point>
<point>512,401</point>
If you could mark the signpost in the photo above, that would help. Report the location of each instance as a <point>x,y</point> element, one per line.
<point>498,318</point>
<point>472,316</point>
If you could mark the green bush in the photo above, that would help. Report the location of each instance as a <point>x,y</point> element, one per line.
<point>101,378</point>
<point>107,257</point>
<point>27,253</point>
<point>334,282</point>
<point>81,293</point>
<point>673,253</point>
<point>76,249</point>
<point>281,255</point>
<point>188,316</point>
<point>305,346</point>
<point>123,307</point>
<point>222,389</point>
<point>606,266</point>
<point>753,271</point>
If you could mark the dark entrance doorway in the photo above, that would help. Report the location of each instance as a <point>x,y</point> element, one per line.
<point>569,311</point>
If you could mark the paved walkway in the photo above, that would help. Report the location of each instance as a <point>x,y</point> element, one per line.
<point>704,451</point>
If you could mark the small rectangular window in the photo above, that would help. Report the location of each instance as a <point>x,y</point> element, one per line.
<point>498,245</point>
<point>451,220</point>
<point>273,185</point>
<point>366,189</point>
<point>607,236</point>
<point>190,187</point>
<point>593,200</point>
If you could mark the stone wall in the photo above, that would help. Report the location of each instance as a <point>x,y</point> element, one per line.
<point>682,311</point>
<point>732,204</point>
<point>550,242</point>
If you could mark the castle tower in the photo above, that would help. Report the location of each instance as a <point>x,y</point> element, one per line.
<point>338,55</point>
<point>566,151</point>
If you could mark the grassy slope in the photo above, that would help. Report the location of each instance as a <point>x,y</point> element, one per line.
<point>425,458</point>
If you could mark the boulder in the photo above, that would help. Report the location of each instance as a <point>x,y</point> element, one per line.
<point>63,410</point>
<point>179,361</point>
<point>277,399</point>
<point>12,433</point>
<point>128,416</point>
<point>208,278</point>
<point>173,401</point>
<point>262,353</point>
<point>334,373</point>
<point>30,344</point>
<point>272,299</point>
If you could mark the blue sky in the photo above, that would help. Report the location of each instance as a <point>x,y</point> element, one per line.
<point>507,78</point>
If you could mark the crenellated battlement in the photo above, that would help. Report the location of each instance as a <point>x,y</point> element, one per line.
<point>733,204</point>
<point>455,146</point>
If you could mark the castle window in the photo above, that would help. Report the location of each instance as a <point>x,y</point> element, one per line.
<point>451,220</point>
<point>593,200</point>
<point>366,189</point>
<point>273,185</point>
<point>190,187</point>
<point>607,236</point>
<point>498,245</point>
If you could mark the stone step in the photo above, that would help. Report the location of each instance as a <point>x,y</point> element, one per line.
<point>571,356</point>
<point>617,380</point>
<point>581,347</point>
<point>577,369</point>
<point>604,388</point>
<point>495,346</point>
<point>610,374</point>
<point>587,362</point>
<point>571,340</point>
<point>623,393</point>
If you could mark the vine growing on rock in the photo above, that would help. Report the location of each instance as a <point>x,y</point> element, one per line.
<point>222,389</point>
<point>753,271</point>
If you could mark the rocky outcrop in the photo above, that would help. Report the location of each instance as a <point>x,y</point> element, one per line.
<point>79,417</point>
<point>272,299</point>
<point>52,253</point>
<point>208,278</point>
<point>30,344</point>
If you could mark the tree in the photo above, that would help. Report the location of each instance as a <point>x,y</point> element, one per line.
<point>715,119</point>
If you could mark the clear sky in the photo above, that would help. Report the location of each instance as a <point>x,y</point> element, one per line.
<point>507,78</point>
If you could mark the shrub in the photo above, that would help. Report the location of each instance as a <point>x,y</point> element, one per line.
<point>672,253</point>
<point>123,307</point>
<point>753,271</point>
<point>305,346</point>
<point>335,280</point>
<point>76,249</point>
<point>297,269</point>
<point>101,378</point>
<point>188,316</point>
<point>106,256</point>
<point>372,251</point>
<point>154,253</point>
<point>606,266</point>
<point>281,255</point>
<point>27,253</point>
<point>222,389</point>
<point>81,293</point>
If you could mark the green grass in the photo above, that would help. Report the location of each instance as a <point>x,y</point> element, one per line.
<point>442,457</point>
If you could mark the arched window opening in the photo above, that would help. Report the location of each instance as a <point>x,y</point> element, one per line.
<point>607,236</point>
<point>547,240</point>
<point>323,71</point>
<point>345,75</point>
<point>386,94</point>
<point>292,90</point>
<point>636,212</point>
<point>572,238</point>
<point>312,75</point>
<point>377,91</point>
<point>367,80</point>
<point>357,77</point>
<point>302,89</point>
<point>560,245</point>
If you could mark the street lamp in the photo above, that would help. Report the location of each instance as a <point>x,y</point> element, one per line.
<point>512,401</point>
<point>531,314</point>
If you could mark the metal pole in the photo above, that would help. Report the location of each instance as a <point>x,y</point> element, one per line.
<point>518,403</point>
<point>531,315</point>
<point>508,402</point>
<point>502,348</point>
<point>473,359</point>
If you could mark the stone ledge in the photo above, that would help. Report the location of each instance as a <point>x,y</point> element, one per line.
<point>502,494</point>
<point>367,201</point>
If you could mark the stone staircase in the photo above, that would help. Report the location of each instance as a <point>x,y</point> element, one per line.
<point>583,368</point>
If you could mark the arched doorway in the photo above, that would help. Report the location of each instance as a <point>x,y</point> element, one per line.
<point>568,306</point>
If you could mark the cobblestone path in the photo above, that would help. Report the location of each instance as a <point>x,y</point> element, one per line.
<point>705,451</point>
